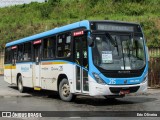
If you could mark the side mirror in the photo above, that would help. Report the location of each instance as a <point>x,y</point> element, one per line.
<point>90,41</point>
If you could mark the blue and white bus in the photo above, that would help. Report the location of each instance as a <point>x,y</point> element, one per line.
<point>107,58</point>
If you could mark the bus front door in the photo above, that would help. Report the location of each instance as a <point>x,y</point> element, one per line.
<point>37,67</point>
<point>81,60</point>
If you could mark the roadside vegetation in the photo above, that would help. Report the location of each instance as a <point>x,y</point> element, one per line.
<point>24,20</point>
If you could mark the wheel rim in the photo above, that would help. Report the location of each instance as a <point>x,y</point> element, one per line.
<point>65,90</point>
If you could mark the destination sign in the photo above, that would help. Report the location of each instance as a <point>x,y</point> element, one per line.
<point>115,27</point>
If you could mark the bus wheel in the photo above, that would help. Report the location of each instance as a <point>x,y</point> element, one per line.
<point>20,85</point>
<point>64,91</point>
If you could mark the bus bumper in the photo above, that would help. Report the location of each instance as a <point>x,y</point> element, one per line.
<point>96,89</point>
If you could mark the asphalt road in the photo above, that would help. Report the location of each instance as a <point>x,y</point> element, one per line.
<point>12,100</point>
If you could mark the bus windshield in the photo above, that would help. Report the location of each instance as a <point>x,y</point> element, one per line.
<point>114,51</point>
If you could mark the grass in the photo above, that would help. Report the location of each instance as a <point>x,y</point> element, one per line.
<point>24,20</point>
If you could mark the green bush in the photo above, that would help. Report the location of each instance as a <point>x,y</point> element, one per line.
<point>24,20</point>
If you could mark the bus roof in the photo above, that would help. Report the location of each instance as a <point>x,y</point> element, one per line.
<point>84,23</point>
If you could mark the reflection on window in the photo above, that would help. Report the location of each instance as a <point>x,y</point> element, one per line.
<point>64,45</point>
<point>49,47</point>
<point>27,52</point>
<point>119,52</point>
<point>8,55</point>
<point>20,53</point>
<point>24,52</point>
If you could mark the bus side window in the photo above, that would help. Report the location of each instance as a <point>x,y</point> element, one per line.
<point>45,48</point>
<point>85,53</point>
<point>7,55</point>
<point>27,51</point>
<point>67,46</point>
<point>14,56</point>
<point>49,47</point>
<point>64,45</point>
<point>20,53</point>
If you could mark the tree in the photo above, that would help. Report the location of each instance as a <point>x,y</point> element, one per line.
<point>53,2</point>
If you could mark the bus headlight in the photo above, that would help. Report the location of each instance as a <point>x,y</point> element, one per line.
<point>145,79</point>
<point>98,78</point>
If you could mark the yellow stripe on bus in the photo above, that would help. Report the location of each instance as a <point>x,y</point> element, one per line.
<point>9,67</point>
<point>13,67</point>
<point>37,88</point>
<point>50,63</point>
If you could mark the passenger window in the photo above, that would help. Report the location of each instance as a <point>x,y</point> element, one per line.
<point>27,52</point>
<point>20,53</point>
<point>24,52</point>
<point>49,47</point>
<point>64,45</point>
<point>8,55</point>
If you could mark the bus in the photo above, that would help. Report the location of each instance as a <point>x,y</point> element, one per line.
<point>94,58</point>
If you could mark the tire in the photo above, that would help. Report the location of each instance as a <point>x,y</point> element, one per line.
<point>64,91</point>
<point>20,85</point>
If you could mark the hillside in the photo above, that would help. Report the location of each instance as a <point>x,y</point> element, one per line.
<point>23,20</point>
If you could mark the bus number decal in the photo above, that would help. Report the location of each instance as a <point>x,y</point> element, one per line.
<point>112,81</point>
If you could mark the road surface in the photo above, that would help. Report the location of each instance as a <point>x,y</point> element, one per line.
<point>12,100</point>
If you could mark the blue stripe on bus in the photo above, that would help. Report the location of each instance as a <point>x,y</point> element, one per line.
<point>24,63</point>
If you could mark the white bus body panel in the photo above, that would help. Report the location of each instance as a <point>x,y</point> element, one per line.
<point>7,74</point>
<point>50,74</point>
<point>25,69</point>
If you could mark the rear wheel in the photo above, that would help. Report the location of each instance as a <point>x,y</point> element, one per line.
<point>64,91</point>
<point>20,85</point>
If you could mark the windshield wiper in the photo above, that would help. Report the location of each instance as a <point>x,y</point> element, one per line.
<point>117,46</point>
<point>114,43</point>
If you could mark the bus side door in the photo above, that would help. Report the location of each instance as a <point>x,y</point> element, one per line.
<point>13,66</point>
<point>37,65</point>
<point>81,67</point>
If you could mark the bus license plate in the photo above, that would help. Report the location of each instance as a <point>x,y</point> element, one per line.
<point>123,92</point>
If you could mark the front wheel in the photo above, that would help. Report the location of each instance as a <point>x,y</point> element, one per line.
<point>64,91</point>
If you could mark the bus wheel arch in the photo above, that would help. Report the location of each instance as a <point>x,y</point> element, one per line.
<point>60,78</point>
<point>64,88</point>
